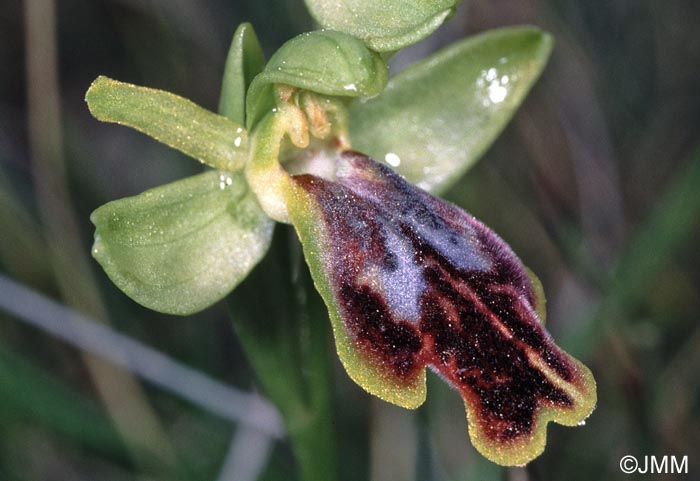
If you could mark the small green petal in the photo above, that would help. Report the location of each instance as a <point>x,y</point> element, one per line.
<point>181,247</point>
<point>244,61</point>
<point>210,138</point>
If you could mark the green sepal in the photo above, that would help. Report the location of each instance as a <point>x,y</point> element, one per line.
<point>179,123</point>
<point>181,247</point>
<point>244,61</point>
<point>384,25</point>
<point>325,62</point>
<point>436,118</point>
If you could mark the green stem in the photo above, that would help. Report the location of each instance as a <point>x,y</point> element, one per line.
<point>314,438</point>
<point>315,455</point>
<point>285,337</point>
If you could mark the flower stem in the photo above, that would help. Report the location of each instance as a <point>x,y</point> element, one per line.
<point>285,337</point>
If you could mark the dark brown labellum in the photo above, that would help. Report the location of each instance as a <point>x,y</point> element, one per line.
<point>419,282</point>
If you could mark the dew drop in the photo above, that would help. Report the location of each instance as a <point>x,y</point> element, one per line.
<point>392,159</point>
<point>497,92</point>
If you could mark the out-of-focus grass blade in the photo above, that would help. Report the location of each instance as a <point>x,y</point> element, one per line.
<point>671,225</point>
<point>668,227</point>
<point>28,392</point>
<point>22,249</point>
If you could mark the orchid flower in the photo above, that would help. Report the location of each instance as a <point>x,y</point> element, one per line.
<point>409,280</point>
<point>413,281</point>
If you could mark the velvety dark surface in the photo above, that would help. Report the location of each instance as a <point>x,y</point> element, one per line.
<point>421,282</point>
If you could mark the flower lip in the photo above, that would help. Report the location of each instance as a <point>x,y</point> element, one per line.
<point>413,281</point>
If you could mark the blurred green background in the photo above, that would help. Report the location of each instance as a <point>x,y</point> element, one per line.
<point>595,183</point>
